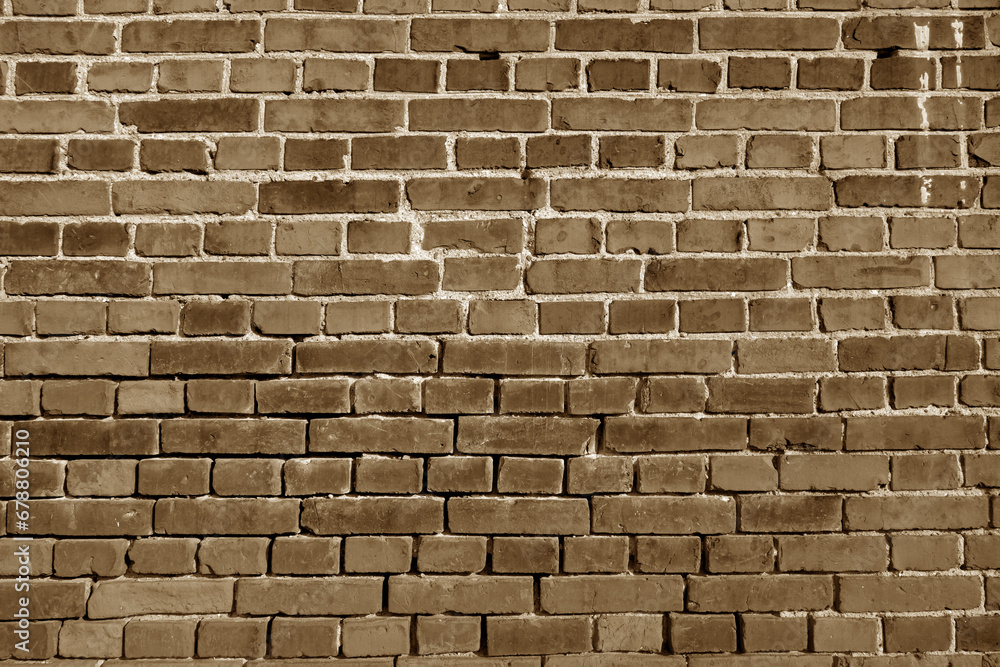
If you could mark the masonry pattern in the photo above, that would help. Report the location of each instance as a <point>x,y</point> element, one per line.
<point>502,333</point>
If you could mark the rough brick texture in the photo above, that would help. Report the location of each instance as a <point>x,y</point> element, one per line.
<point>501,333</point>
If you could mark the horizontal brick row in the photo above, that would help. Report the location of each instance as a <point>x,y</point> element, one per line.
<point>362,276</point>
<point>302,555</point>
<point>233,316</point>
<point>438,594</point>
<point>518,435</point>
<point>509,357</point>
<point>166,8</point>
<point>508,236</point>
<point>462,395</point>
<point>925,111</point>
<point>629,195</point>
<point>367,35</point>
<point>174,475</point>
<point>431,152</point>
<point>251,75</point>
<point>290,636</point>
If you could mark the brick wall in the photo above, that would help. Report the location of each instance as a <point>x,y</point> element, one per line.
<point>502,333</point>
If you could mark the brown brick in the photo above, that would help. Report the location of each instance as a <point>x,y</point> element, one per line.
<point>191,35</point>
<point>762,632</point>
<point>31,238</point>
<point>325,74</point>
<point>69,317</point>
<point>469,35</point>
<point>190,76</point>
<point>230,317</point>
<point>852,151</point>
<point>664,515</point>
<point>592,475</point>
<point>425,316</point>
<point>544,74</point>
<point>907,593</point>
<point>716,274</point>
<point>304,477</point>
<point>163,555</point>
<point>227,396</point>
<point>657,35</point>
<point>761,395</point>
<point>702,633</point>
<point>917,633</point>
<point>285,595</point>
<point>689,76</point>
<point>885,32</point>
<point>639,115</point>
<point>781,315</point>
<point>480,115</point>
<point>376,475</point>
<point>487,153</point>
<point>916,432</point>
<point>538,396</point>
<point>749,593</point>
<point>77,37</point>
<point>533,635</point>
<point>502,317</point>
<point>905,114</point>
<point>655,356</point>
<point>672,474</point>
<point>81,639</point>
<point>399,153</point>
<point>366,276</point>
<point>831,73</point>
<point>121,77</point>
<point>191,115</point>
<point>477,75</point>
<point>226,516</point>
<point>304,637</point>
<point>314,154</point>
<point>712,315</point>
<point>231,237</point>
<point>256,477</point>
<point>784,114</point>
<point>564,276</point>
<point>448,634</point>
<point>160,638</point>
<point>259,76</point>
<point>643,236</point>
<point>647,316</point>
<point>182,197</point>
<point>332,115</point>
<point>760,72</point>
<point>762,193</point>
<point>915,513</point>
<point>233,555</point>
<point>385,515</point>
<point>79,357</point>
<point>618,75</point>
<point>833,553</point>
<point>375,636</point>
<point>463,395</point>
<point>231,637</point>
<point>49,116</point>
<point>397,74</point>
<point>531,516</point>
<point>78,397</point>
<point>28,155</point>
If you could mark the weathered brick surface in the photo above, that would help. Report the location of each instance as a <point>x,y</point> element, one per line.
<point>501,333</point>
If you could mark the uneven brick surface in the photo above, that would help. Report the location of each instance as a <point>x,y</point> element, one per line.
<point>500,333</point>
